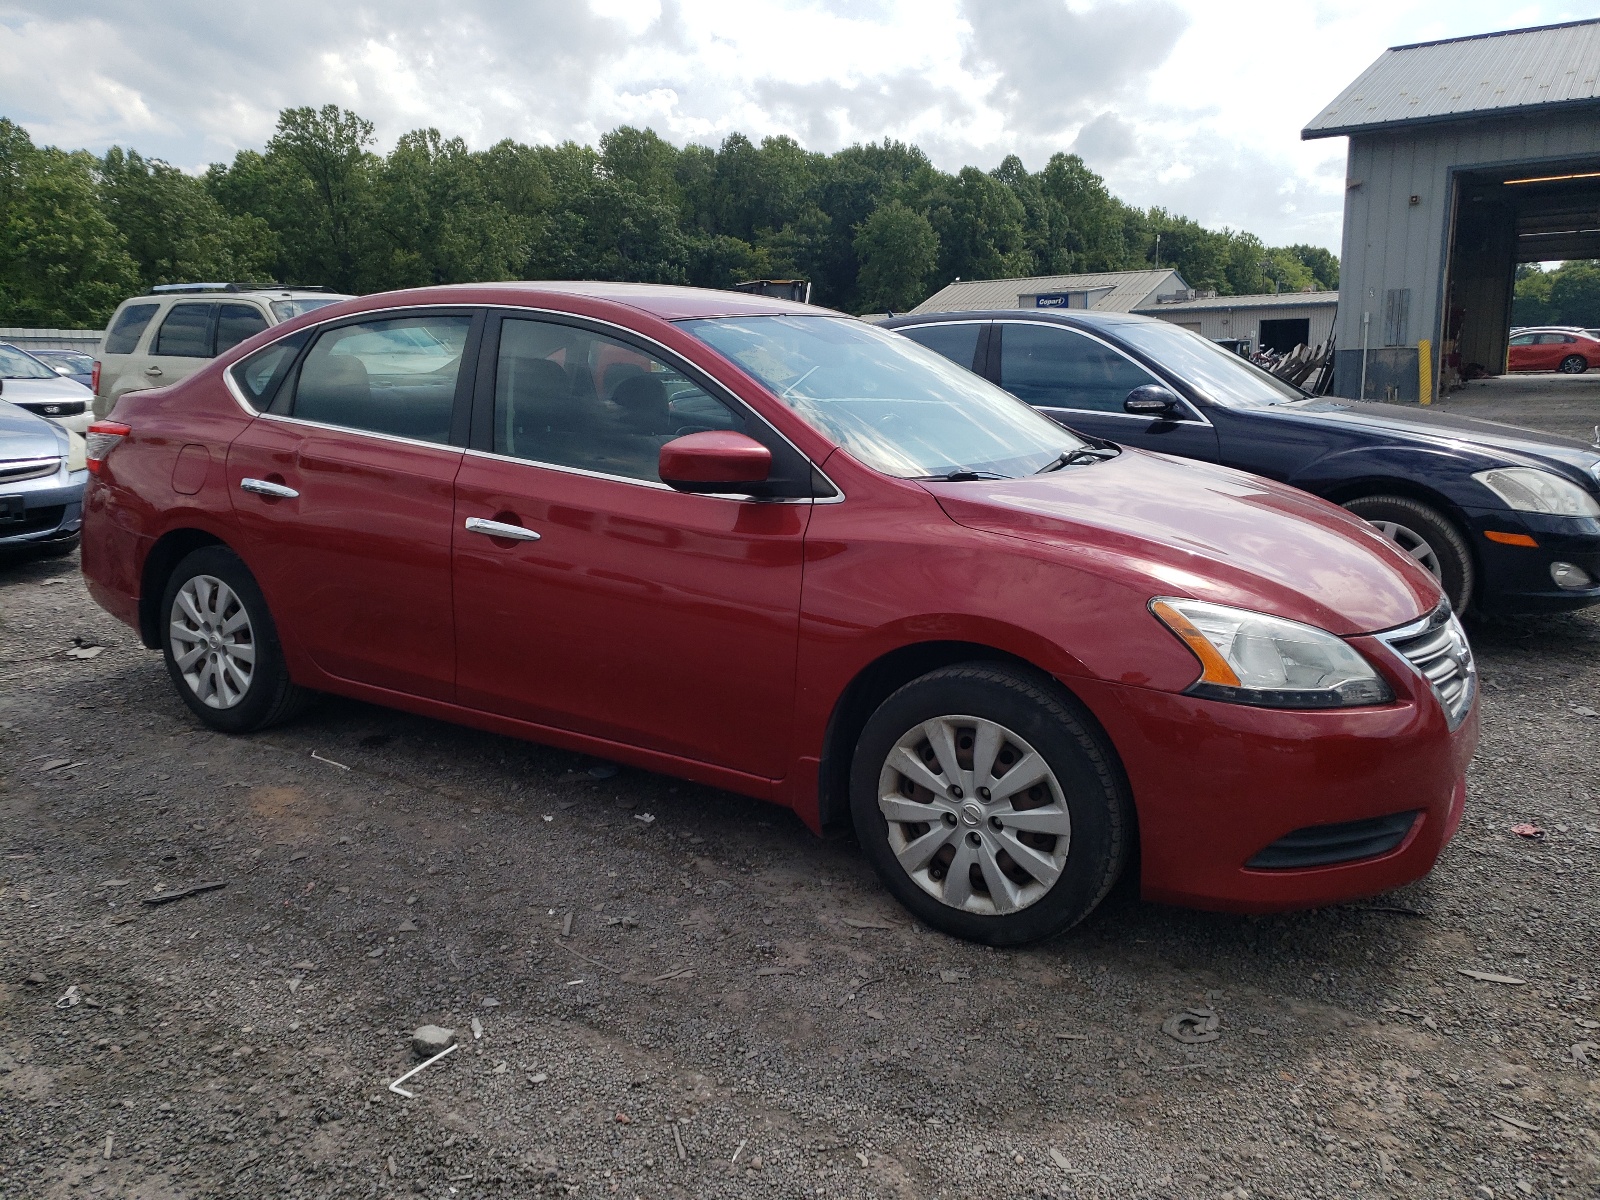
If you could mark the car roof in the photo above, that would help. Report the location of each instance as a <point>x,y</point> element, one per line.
<point>670,302</point>
<point>1082,317</point>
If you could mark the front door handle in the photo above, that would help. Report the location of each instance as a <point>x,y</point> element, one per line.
<point>262,487</point>
<point>498,529</point>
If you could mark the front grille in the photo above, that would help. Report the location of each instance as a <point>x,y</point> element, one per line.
<point>17,469</point>
<point>53,408</point>
<point>1437,648</point>
<point>34,520</point>
<point>1322,845</point>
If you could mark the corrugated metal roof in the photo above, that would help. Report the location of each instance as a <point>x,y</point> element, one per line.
<point>1266,300</point>
<point>1452,80</point>
<point>1127,290</point>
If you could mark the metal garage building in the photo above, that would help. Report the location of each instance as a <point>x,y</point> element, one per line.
<point>1278,322</point>
<point>1467,157</point>
<point>1105,291</point>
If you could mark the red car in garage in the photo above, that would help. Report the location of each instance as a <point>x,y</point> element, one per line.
<point>1569,351</point>
<point>773,549</point>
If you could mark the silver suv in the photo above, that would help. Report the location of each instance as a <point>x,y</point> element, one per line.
<point>157,339</point>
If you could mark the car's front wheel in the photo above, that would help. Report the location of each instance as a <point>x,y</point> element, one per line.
<point>221,646</point>
<point>1426,535</point>
<point>1574,364</point>
<point>989,803</point>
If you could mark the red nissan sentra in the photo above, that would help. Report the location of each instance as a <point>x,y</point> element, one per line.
<point>779,551</point>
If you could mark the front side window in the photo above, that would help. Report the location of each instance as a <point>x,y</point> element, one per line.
<point>1522,339</point>
<point>186,333</point>
<point>235,323</point>
<point>571,397</point>
<point>1049,366</point>
<point>395,376</point>
<point>958,343</point>
<point>1213,370</point>
<point>896,406</point>
<point>129,326</point>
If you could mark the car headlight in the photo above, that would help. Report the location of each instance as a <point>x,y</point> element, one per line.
<point>1526,489</point>
<point>1251,658</point>
<point>78,454</point>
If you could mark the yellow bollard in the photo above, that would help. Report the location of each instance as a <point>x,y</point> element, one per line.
<point>1425,371</point>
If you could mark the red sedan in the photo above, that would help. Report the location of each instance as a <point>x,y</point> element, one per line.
<point>777,550</point>
<point>1567,351</point>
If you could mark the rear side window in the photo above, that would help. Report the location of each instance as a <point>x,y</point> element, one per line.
<point>235,323</point>
<point>958,343</point>
<point>395,376</point>
<point>129,326</point>
<point>1052,367</point>
<point>186,333</point>
<point>260,375</point>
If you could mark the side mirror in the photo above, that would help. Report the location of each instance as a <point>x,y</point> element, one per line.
<point>1153,401</point>
<point>718,460</point>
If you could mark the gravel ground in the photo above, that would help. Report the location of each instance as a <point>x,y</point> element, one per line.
<point>683,993</point>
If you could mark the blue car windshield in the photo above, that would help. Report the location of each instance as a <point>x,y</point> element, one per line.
<point>1221,374</point>
<point>899,408</point>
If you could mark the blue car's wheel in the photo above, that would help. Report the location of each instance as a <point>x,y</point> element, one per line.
<point>1426,535</point>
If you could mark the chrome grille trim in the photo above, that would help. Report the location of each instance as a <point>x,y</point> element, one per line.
<point>18,469</point>
<point>1436,648</point>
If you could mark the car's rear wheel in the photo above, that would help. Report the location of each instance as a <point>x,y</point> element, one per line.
<point>1574,364</point>
<point>1428,536</point>
<point>989,803</point>
<point>221,646</point>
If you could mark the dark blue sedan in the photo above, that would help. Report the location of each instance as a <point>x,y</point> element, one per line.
<point>1507,519</point>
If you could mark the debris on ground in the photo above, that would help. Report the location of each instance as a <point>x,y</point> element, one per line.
<point>428,1040</point>
<point>70,999</point>
<point>603,771</point>
<point>185,893</point>
<point>1193,1026</point>
<point>1490,976</point>
<point>400,1091</point>
<point>329,761</point>
<point>1527,831</point>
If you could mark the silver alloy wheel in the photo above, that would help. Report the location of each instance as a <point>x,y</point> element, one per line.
<point>976,816</point>
<point>1413,543</point>
<point>213,642</point>
<point>1574,364</point>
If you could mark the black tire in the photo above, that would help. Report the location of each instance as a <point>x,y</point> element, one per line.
<point>1437,532</point>
<point>1574,364</point>
<point>1089,783</point>
<point>269,697</point>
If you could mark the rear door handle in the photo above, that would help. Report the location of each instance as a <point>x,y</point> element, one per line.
<point>152,370</point>
<point>516,533</point>
<point>262,487</point>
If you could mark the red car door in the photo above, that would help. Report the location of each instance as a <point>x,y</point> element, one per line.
<point>591,597</point>
<point>1522,354</point>
<point>345,494</point>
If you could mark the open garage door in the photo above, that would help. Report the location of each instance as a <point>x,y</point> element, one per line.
<point>1532,213</point>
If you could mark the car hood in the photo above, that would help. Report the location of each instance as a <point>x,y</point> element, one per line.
<point>1181,528</point>
<point>39,391</point>
<point>1430,424</point>
<point>23,435</point>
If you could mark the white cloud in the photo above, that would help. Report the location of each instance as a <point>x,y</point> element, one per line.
<point>1178,103</point>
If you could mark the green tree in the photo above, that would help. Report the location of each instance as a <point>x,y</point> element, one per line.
<point>1575,293</point>
<point>320,188</point>
<point>1323,265</point>
<point>174,227</point>
<point>898,250</point>
<point>979,223</point>
<point>62,262</point>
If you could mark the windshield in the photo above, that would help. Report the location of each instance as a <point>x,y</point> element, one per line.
<point>80,363</point>
<point>899,408</point>
<point>1221,374</point>
<point>14,364</point>
<point>286,310</point>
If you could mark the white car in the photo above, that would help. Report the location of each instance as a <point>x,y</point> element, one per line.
<point>157,339</point>
<point>29,384</point>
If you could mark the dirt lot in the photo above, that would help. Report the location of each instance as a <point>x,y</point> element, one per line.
<point>683,993</point>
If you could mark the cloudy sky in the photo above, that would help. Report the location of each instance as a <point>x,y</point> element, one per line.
<point>1191,105</point>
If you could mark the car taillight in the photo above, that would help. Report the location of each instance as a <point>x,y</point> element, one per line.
<point>104,437</point>
<point>94,378</point>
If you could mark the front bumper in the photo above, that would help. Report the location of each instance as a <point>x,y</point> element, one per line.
<point>52,508</point>
<point>1517,578</point>
<point>1216,784</point>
